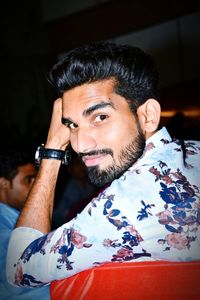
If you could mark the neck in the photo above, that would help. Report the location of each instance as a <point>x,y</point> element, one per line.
<point>3,197</point>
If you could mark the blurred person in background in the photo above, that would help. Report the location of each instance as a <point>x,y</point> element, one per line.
<point>17,173</point>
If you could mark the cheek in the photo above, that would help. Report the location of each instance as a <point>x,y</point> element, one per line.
<point>121,134</point>
<point>74,142</point>
<point>20,191</point>
<point>72,139</point>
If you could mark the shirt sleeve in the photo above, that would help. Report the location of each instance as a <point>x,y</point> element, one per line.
<point>20,238</point>
<point>97,235</point>
<point>35,259</point>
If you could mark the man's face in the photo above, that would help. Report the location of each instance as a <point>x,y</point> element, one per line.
<point>103,130</point>
<point>20,185</point>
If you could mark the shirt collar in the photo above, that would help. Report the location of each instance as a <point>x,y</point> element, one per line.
<point>154,143</point>
<point>161,137</point>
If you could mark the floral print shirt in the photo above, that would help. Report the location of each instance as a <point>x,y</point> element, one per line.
<point>152,212</point>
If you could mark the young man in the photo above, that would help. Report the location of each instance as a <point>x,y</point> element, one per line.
<point>17,173</point>
<point>149,207</point>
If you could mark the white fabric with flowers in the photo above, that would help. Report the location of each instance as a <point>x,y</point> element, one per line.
<point>152,212</point>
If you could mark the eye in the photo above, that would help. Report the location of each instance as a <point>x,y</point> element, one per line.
<point>101,118</point>
<point>29,179</point>
<point>72,125</point>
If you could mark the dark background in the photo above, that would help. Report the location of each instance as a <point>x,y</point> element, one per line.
<point>35,33</point>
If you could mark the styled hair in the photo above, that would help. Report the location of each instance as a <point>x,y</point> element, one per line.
<point>133,71</point>
<point>11,161</point>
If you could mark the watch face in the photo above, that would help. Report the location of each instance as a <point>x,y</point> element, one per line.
<point>66,158</point>
<point>37,156</point>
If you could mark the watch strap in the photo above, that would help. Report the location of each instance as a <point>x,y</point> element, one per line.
<point>47,153</point>
<point>52,153</point>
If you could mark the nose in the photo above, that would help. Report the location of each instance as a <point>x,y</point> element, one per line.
<point>84,140</point>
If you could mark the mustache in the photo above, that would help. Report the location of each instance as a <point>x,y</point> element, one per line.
<point>95,152</point>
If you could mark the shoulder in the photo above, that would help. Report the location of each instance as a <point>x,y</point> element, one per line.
<point>8,216</point>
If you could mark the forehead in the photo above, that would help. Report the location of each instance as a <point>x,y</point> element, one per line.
<point>83,96</point>
<point>27,169</point>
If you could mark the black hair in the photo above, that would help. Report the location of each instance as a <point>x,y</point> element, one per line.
<point>133,71</point>
<point>10,161</point>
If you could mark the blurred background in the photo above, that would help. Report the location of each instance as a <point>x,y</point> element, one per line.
<point>36,33</point>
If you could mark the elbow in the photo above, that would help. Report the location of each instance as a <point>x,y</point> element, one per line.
<point>14,276</point>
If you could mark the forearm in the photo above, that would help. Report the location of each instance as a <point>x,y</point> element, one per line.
<point>37,211</point>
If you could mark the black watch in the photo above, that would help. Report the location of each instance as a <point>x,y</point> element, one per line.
<point>47,153</point>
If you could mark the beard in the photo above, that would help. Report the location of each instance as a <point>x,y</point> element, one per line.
<point>127,157</point>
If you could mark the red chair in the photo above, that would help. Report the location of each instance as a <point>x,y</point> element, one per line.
<point>134,280</point>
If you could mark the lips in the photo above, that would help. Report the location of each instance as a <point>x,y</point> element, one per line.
<point>93,160</point>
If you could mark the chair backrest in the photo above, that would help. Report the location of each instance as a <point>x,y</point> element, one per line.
<point>134,280</point>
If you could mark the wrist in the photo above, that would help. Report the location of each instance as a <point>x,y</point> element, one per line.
<point>55,145</point>
<point>56,142</point>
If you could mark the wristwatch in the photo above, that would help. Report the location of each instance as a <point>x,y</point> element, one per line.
<point>47,153</point>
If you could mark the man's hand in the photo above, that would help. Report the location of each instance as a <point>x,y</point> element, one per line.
<point>58,135</point>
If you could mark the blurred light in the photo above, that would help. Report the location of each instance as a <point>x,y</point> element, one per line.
<point>192,113</point>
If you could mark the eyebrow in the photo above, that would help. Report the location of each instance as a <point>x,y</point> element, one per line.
<point>97,106</point>
<point>88,111</point>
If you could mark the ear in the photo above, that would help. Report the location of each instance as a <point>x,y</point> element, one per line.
<point>149,116</point>
<point>4,183</point>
